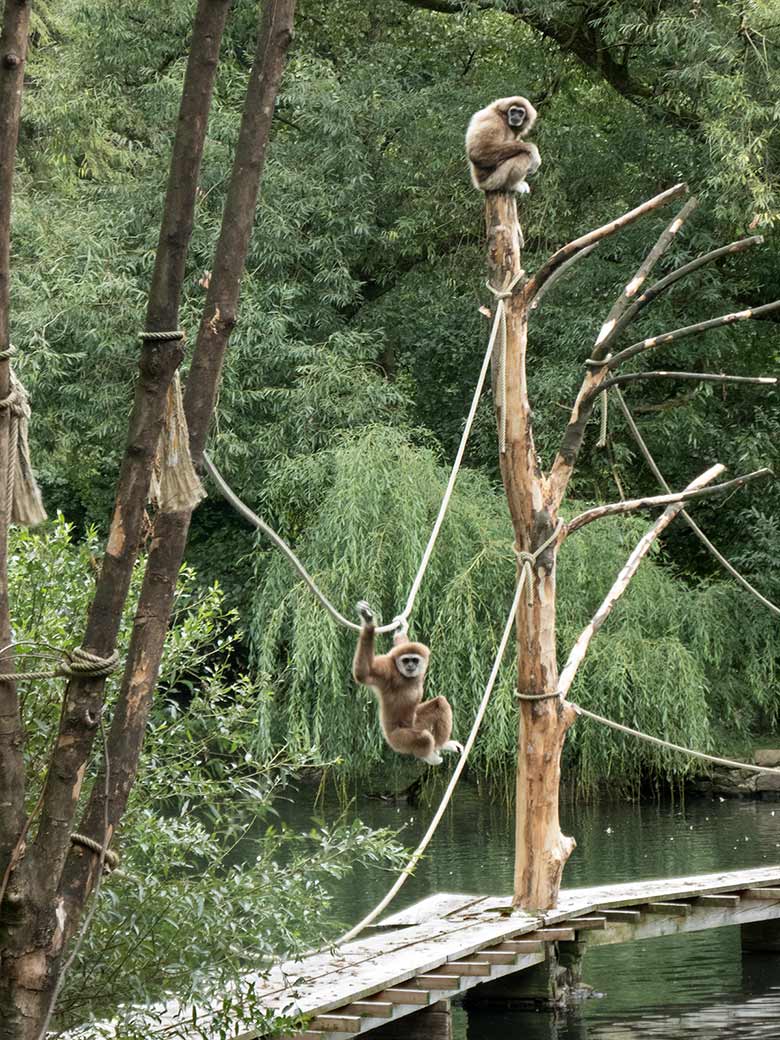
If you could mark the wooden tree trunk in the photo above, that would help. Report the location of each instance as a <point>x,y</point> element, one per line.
<point>171,529</point>
<point>13,51</point>
<point>541,850</point>
<point>33,921</point>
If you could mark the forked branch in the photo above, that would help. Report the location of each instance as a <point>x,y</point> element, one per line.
<point>580,648</point>
<point>632,504</point>
<point>550,266</point>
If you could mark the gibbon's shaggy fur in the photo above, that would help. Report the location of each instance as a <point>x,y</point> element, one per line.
<point>410,726</point>
<point>500,160</point>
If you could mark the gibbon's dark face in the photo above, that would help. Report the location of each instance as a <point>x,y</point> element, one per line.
<point>410,665</point>
<point>516,116</point>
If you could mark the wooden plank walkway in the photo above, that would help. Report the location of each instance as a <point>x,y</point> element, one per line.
<point>450,942</point>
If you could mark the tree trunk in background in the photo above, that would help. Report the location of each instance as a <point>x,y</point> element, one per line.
<point>541,850</point>
<point>33,927</point>
<point>171,529</point>
<point>13,52</point>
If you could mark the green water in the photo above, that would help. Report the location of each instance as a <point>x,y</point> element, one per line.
<point>699,985</point>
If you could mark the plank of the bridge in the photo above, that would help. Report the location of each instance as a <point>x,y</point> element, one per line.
<point>586,924</point>
<point>372,1008</point>
<point>720,900</point>
<point>627,915</point>
<point>336,1023</point>
<point>520,946</point>
<point>433,980</point>
<point>553,935</point>
<point>672,909</point>
<point>761,893</point>
<point>468,967</point>
<point>405,995</point>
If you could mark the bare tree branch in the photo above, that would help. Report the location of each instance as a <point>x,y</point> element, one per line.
<point>609,330</point>
<point>563,464</point>
<point>655,290</point>
<point>563,254</point>
<point>729,567</point>
<point>561,271</point>
<point>580,648</point>
<point>689,330</point>
<point>632,504</point>
<point>699,377</point>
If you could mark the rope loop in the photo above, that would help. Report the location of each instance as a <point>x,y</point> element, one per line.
<point>162,337</point>
<point>16,401</point>
<point>8,352</point>
<point>79,663</point>
<point>537,696</point>
<point>110,858</point>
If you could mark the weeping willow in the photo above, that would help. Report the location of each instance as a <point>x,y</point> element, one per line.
<point>671,658</point>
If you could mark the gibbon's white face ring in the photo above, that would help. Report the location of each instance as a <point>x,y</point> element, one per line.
<point>410,665</point>
<point>516,116</point>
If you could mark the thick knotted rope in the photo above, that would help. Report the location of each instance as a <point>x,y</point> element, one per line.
<point>76,663</point>
<point>175,485</point>
<point>22,494</point>
<point>499,329</point>
<point>110,858</point>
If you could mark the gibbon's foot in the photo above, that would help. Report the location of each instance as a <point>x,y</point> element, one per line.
<point>523,188</point>
<point>434,759</point>
<point>452,745</point>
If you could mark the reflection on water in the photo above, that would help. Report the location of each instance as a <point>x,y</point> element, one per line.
<point>697,985</point>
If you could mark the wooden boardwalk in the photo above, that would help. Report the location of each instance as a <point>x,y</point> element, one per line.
<point>448,943</point>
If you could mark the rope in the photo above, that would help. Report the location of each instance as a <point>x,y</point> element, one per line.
<point>111,857</point>
<point>528,560</point>
<point>747,766</point>
<point>77,663</point>
<point>499,327</point>
<point>162,337</point>
<point>7,352</point>
<point>414,859</point>
<point>401,619</point>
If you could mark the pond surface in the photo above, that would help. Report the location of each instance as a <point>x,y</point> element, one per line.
<point>699,985</point>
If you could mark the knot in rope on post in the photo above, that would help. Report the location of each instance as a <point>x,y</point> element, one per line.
<point>79,663</point>
<point>499,328</point>
<point>8,352</point>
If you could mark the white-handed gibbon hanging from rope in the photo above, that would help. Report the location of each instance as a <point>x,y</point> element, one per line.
<point>410,725</point>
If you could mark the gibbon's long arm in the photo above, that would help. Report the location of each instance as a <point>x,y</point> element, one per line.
<point>363,663</point>
<point>490,155</point>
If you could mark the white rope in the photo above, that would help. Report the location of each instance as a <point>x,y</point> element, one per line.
<point>401,619</point>
<point>747,766</point>
<point>414,859</point>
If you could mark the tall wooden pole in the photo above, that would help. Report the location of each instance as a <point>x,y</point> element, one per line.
<point>541,850</point>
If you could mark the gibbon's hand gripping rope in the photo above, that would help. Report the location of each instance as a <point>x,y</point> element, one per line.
<point>400,620</point>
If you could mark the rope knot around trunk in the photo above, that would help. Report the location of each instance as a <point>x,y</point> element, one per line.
<point>80,662</point>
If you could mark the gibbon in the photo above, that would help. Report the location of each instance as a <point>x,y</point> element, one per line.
<point>499,160</point>
<point>397,678</point>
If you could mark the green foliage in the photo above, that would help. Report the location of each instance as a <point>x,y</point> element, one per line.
<point>212,883</point>
<point>666,661</point>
